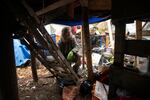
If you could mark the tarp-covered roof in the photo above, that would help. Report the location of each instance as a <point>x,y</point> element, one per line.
<point>60,12</point>
<point>69,12</point>
<point>79,22</point>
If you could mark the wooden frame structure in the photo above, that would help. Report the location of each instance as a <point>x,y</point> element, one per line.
<point>121,77</point>
<point>121,14</point>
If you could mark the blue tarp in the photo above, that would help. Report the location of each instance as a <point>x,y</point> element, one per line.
<point>79,22</point>
<point>22,54</point>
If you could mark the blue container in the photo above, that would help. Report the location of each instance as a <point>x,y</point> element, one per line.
<point>53,37</point>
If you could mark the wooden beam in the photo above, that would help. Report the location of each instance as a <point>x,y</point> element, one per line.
<point>83,48</point>
<point>138,37</point>
<point>100,5</point>
<point>144,25</point>
<point>84,3</point>
<point>8,76</point>
<point>86,35</point>
<point>146,33</point>
<point>138,29</point>
<point>54,6</point>
<point>119,43</point>
<point>137,47</point>
<point>118,56</point>
<point>70,10</point>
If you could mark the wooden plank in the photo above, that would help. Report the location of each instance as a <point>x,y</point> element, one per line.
<point>54,6</point>
<point>99,5</point>
<point>146,32</point>
<point>85,27</point>
<point>132,81</point>
<point>137,47</point>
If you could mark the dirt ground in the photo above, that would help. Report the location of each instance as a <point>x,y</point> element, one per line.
<point>46,88</point>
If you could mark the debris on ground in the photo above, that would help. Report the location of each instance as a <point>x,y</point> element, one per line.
<point>45,89</point>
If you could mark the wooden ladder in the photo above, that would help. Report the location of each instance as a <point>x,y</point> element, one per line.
<point>37,30</point>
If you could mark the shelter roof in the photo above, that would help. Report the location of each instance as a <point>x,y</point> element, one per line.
<point>69,11</point>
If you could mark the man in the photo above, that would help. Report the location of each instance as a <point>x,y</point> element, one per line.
<point>66,45</point>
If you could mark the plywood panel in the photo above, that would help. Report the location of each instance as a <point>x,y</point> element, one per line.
<point>100,5</point>
<point>137,47</point>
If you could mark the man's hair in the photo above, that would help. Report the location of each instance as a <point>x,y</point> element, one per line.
<point>66,33</point>
<point>65,30</point>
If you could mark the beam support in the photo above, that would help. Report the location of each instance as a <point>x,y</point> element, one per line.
<point>86,36</point>
<point>54,6</point>
<point>8,77</point>
<point>119,43</point>
<point>138,29</point>
<point>138,37</point>
<point>118,56</point>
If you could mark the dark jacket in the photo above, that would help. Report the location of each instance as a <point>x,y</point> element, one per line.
<point>66,47</point>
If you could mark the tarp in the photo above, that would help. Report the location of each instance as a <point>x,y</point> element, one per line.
<point>22,54</point>
<point>79,22</point>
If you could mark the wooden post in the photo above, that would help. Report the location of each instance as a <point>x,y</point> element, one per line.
<point>33,60</point>
<point>33,67</point>
<point>119,43</point>
<point>138,37</point>
<point>118,56</point>
<point>8,77</point>
<point>83,47</point>
<point>85,27</point>
<point>138,29</point>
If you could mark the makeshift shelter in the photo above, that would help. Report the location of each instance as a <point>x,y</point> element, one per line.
<point>17,16</point>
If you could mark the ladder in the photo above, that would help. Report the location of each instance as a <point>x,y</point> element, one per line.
<point>37,30</point>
